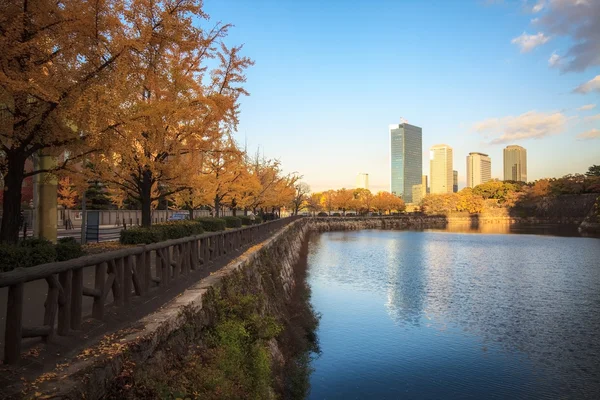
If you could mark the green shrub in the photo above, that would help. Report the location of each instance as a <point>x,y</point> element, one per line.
<point>246,220</point>
<point>25,254</point>
<point>39,251</point>
<point>211,224</point>
<point>160,232</point>
<point>12,256</point>
<point>258,219</point>
<point>322,214</point>
<point>336,214</point>
<point>232,222</point>
<point>140,235</point>
<point>67,248</point>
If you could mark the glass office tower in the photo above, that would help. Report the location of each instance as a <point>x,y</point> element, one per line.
<point>406,159</point>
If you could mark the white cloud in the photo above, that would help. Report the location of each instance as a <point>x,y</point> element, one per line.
<point>591,134</point>
<point>576,20</point>
<point>593,118</point>
<point>538,6</point>
<point>586,107</point>
<point>529,42</point>
<point>555,60</point>
<point>592,85</point>
<point>530,125</point>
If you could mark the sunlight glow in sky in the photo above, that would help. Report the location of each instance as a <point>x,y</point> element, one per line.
<point>478,75</point>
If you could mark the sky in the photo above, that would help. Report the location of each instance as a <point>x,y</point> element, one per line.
<point>331,76</point>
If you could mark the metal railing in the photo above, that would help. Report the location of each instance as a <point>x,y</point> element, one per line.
<point>125,273</point>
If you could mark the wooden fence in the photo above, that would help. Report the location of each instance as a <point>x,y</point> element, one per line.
<point>126,272</point>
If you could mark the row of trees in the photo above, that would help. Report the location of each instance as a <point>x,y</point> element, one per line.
<point>361,201</point>
<point>231,180</point>
<point>140,96</point>
<point>495,193</point>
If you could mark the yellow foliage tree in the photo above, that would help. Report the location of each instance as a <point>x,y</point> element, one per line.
<point>66,194</point>
<point>343,199</point>
<point>58,62</point>
<point>313,203</point>
<point>170,114</point>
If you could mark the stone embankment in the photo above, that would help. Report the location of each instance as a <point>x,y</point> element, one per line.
<point>323,224</point>
<point>591,223</point>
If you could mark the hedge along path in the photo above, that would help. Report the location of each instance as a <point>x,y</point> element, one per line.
<point>124,273</point>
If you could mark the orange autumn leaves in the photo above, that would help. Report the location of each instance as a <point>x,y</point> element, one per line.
<point>353,200</point>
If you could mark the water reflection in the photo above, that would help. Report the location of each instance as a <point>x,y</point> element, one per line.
<point>566,230</point>
<point>406,285</point>
<point>517,295</point>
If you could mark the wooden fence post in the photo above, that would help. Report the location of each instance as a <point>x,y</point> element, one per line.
<point>99,285</point>
<point>14,327</point>
<point>64,306</point>
<point>51,306</point>
<point>76,298</point>
<point>127,264</point>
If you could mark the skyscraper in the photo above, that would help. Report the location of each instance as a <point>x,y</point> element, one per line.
<point>362,181</point>
<point>419,191</point>
<point>406,159</point>
<point>479,169</point>
<point>454,181</point>
<point>440,171</point>
<point>515,163</point>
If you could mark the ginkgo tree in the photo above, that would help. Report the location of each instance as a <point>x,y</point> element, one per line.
<point>222,173</point>
<point>176,109</point>
<point>66,195</point>
<point>58,69</point>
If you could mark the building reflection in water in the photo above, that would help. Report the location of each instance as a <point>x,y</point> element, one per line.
<point>528,294</point>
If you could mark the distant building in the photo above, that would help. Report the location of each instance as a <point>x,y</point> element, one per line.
<point>362,181</point>
<point>454,181</point>
<point>418,193</point>
<point>515,163</point>
<point>425,184</point>
<point>406,159</point>
<point>440,171</point>
<point>479,169</point>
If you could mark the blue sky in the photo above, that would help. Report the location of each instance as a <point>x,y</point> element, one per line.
<point>330,76</point>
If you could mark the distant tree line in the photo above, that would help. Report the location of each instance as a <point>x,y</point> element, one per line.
<point>508,194</point>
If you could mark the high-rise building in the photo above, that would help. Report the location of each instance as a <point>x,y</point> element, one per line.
<point>417,193</point>
<point>406,159</point>
<point>440,171</point>
<point>425,184</point>
<point>479,169</point>
<point>362,181</point>
<point>515,163</point>
<point>454,181</point>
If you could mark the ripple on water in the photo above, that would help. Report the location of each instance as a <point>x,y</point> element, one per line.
<point>440,315</point>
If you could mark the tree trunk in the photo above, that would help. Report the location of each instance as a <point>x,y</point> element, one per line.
<point>217,206</point>
<point>11,206</point>
<point>146,196</point>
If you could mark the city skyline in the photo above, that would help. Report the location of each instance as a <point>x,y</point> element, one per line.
<point>350,83</point>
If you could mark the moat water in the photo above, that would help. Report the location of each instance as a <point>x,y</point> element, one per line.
<point>446,315</point>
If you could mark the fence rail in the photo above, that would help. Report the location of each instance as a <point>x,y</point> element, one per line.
<point>125,273</point>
